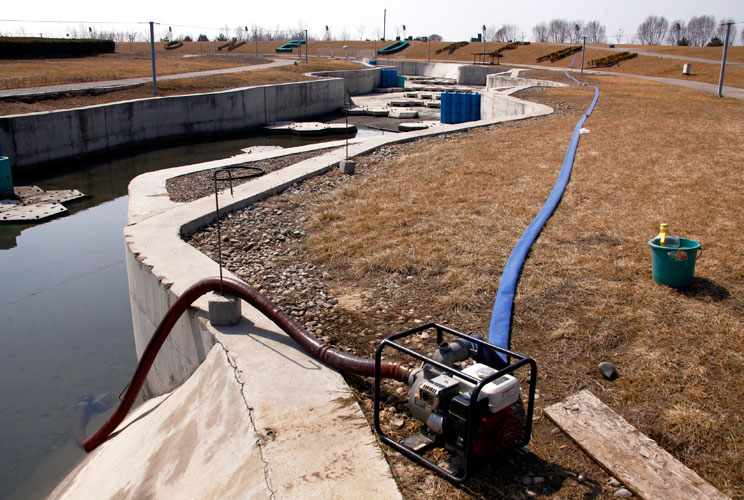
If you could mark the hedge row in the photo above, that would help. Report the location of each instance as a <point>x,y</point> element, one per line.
<point>31,48</point>
<point>613,59</point>
<point>560,54</point>
<point>451,47</point>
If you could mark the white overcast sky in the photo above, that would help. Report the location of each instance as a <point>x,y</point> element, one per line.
<point>453,20</point>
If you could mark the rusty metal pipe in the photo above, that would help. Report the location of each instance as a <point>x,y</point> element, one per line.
<point>323,352</point>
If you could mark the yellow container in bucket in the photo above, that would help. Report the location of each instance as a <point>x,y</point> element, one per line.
<point>674,266</point>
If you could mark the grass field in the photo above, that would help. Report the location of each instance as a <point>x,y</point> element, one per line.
<point>440,219</point>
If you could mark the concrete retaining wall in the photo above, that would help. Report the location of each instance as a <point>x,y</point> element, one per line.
<point>357,82</point>
<point>50,136</point>
<point>500,81</point>
<point>495,105</point>
<point>464,74</point>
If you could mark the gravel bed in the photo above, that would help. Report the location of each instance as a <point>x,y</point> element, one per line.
<point>190,187</point>
<point>263,245</point>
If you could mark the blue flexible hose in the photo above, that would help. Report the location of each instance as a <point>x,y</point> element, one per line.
<point>499,332</point>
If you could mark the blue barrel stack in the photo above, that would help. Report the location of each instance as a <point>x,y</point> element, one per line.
<point>460,107</point>
<point>388,78</point>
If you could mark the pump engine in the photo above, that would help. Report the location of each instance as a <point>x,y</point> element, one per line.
<point>464,405</point>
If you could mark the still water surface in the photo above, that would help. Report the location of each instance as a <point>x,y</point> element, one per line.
<point>65,322</point>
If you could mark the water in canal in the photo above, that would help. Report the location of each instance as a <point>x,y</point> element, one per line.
<point>65,322</point>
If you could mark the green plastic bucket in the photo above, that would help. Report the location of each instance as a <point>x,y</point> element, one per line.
<point>670,271</point>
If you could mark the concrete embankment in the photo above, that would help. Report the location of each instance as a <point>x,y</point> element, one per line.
<point>240,411</point>
<point>463,74</point>
<point>37,138</point>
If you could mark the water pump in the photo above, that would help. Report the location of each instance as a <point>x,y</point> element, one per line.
<point>466,398</point>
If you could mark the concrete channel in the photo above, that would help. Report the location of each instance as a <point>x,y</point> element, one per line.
<point>239,411</point>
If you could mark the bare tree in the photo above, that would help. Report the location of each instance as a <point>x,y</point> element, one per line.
<point>619,35</point>
<point>435,38</point>
<point>491,33</point>
<point>361,30</point>
<point>653,30</point>
<point>676,32</point>
<point>558,30</point>
<point>700,29</point>
<point>345,35</point>
<point>721,31</point>
<point>575,31</point>
<point>540,33</point>
<point>594,32</point>
<point>507,33</point>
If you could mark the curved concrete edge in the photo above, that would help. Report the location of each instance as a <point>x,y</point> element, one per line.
<point>463,74</point>
<point>236,430</point>
<point>250,414</point>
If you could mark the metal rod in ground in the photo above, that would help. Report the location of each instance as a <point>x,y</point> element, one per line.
<point>723,60</point>
<point>346,109</point>
<point>152,51</point>
<point>219,237</point>
<point>307,46</point>
<point>583,51</point>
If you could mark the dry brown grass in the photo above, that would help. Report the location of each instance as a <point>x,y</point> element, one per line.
<point>40,72</point>
<point>284,74</point>
<point>448,212</point>
<point>135,62</point>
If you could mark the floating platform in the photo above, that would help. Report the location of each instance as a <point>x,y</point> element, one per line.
<point>403,113</point>
<point>34,204</point>
<point>411,126</point>
<point>309,128</point>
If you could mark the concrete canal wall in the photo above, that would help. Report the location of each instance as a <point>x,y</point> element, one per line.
<point>356,82</point>
<point>463,74</point>
<point>52,136</point>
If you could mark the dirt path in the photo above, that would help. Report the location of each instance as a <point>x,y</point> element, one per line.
<point>128,82</point>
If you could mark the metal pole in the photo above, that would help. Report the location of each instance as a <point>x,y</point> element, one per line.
<point>428,56</point>
<point>484,44</point>
<point>255,35</point>
<point>723,61</point>
<point>306,46</point>
<point>583,50</point>
<point>384,22</point>
<point>152,51</point>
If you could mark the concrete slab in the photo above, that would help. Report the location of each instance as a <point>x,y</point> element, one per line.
<point>35,204</point>
<point>403,113</point>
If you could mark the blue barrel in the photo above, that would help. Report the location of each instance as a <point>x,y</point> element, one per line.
<point>465,108</point>
<point>456,107</point>
<point>472,107</point>
<point>444,107</point>
<point>477,107</point>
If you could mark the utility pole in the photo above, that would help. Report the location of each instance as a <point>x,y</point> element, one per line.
<point>152,51</point>
<point>307,46</point>
<point>583,50</point>
<point>384,22</point>
<point>429,54</point>
<point>723,61</point>
<point>255,36</point>
<point>484,43</point>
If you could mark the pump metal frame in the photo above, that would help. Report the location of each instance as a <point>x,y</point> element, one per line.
<point>521,361</point>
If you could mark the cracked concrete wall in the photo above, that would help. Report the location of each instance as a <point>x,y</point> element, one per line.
<point>187,345</point>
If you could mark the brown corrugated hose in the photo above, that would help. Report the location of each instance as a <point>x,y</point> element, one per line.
<point>325,353</point>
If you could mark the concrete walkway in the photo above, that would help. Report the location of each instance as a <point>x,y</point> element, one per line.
<point>644,52</point>
<point>733,92</point>
<point>131,82</point>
